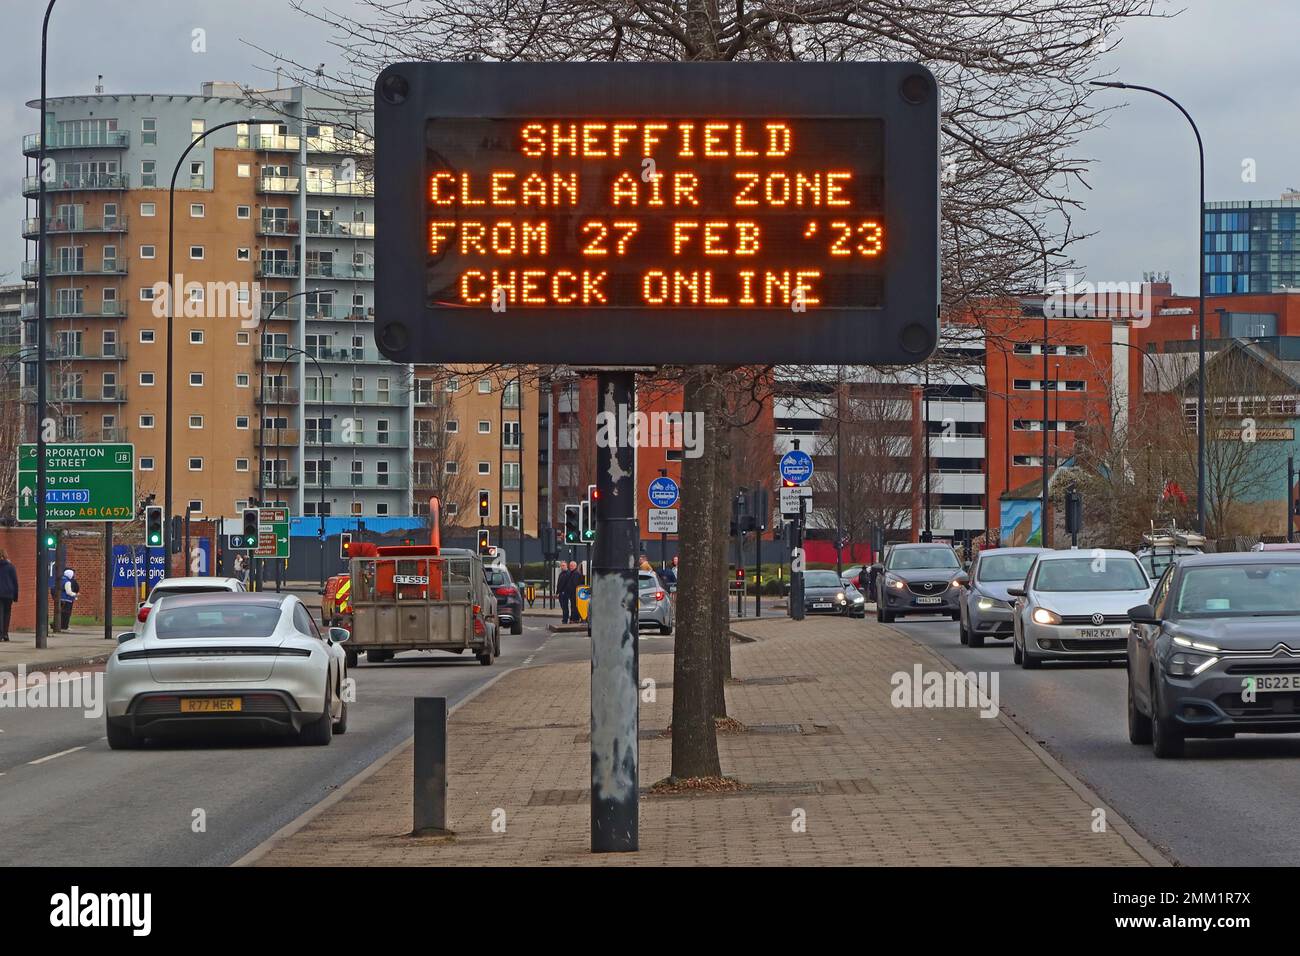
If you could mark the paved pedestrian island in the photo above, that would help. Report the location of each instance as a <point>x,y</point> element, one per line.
<point>835,774</point>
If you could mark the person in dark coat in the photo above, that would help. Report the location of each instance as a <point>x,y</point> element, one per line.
<point>8,593</point>
<point>576,580</point>
<point>562,592</point>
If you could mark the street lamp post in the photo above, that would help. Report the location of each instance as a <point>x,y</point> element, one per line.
<point>289,352</point>
<point>1200,293</point>
<point>1042,245</point>
<point>171,320</point>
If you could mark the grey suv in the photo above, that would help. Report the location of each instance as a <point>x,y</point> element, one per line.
<point>919,579</point>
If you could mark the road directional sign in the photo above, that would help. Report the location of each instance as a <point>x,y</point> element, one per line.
<point>272,533</point>
<point>83,482</point>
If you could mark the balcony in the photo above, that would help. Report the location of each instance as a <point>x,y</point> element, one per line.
<point>394,398</point>
<point>428,440</point>
<point>113,434</point>
<point>278,184</point>
<point>275,269</point>
<point>349,356</point>
<point>362,439</point>
<point>342,147</point>
<point>277,227</point>
<point>394,482</point>
<point>113,181</point>
<point>69,139</point>
<point>341,230</point>
<point>75,267</point>
<point>270,143</point>
<point>105,310</point>
<point>340,187</point>
<point>57,353</point>
<point>66,227</point>
<point>277,395</point>
<point>59,396</point>
<point>341,270</point>
<point>280,437</point>
<point>280,479</point>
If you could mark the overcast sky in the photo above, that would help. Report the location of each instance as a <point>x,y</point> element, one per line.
<point>1231,64</point>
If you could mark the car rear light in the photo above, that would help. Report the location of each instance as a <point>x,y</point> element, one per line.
<point>505,591</point>
<point>659,595</point>
<point>144,613</point>
<point>479,628</point>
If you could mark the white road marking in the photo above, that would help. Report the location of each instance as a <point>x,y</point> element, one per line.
<point>61,753</point>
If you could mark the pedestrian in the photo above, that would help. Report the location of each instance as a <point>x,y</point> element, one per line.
<point>576,580</point>
<point>562,592</point>
<point>8,593</point>
<point>54,601</point>
<point>240,571</point>
<point>669,576</point>
<point>67,597</point>
<point>645,564</point>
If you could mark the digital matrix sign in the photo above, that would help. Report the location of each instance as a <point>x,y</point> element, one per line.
<point>600,214</point>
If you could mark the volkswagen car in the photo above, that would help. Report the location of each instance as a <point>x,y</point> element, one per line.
<point>1216,652</point>
<point>985,603</point>
<point>210,663</point>
<point>1072,606</point>
<point>919,579</point>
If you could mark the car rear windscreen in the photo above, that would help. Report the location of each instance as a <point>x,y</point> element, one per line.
<point>161,591</point>
<point>216,620</point>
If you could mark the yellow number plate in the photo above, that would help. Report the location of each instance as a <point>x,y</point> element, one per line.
<point>210,705</point>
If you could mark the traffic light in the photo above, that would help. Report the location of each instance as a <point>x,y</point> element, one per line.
<point>572,533</point>
<point>1073,511</point>
<point>589,516</point>
<point>178,532</point>
<point>585,522</point>
<point>51,541</point>
<point>484,504</point>
<point>251,524</point>
<point>483,543</point>
<point>153,526</point>
<point>345,545</point>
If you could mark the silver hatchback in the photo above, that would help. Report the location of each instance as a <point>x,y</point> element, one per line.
<point>654,606</point>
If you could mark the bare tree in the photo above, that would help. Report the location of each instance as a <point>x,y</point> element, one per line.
<point>1015,102</point>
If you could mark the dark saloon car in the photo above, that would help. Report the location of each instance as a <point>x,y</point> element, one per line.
<point>1217,651</point>
<point>510,600</point>
<point>919,579</point>
<point>825,593</point>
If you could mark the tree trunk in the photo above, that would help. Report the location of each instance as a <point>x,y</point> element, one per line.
<point>720,527</point>
<point>695,742</point>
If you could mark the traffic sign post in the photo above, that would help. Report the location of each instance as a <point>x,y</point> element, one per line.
<point>797,466</point>
<point>662,518</point>
<point>83,482</point>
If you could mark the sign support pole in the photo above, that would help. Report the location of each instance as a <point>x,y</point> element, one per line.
<point>615,722</point>
<point>108,580</point>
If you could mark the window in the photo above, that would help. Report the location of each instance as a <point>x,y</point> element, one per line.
<point>452,425</point>
<point>358,473</point>
<point>485,427</point>
<point>149,131</point>
<point>146,421</point>
<point>146,293</point>
<point>146,464</point>
<point>196,464</point>
<point>196,175</point>
<point>381,509</point>
<point>356,507</point>
<point>197,128</point>
<point>146,378</point>
<point>510,476</point>
<point>243,254</point>
<point>196,379</point>
<point>194,506</point>
<point>196,252</point>
<point>196,336</point>
<point>148,173</point>
<point>242,338</point>
<point>241,421</point>
<point>381,472</point>
<point>381,390</point>
<point>196,421</point>
<point>510,396</point>
<point>148,209</point>
<point>196,210</point>
<point>241,464</point>
<point>243,212</point>
<point>452,507</point>
<point>485,467</point>
<point>484,386</point>
<point>451,467</point>
<point>147,336</point>
<point>453,385</point>
<point>510,434</point>
<point>147,252</point>
<point>241,380</point>
<point>243,170</point>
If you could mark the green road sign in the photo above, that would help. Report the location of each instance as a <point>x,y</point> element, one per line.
<point>272,533</point>
<point>83,482</point>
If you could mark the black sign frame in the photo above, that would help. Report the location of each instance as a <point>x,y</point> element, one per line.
<point>904,330</point>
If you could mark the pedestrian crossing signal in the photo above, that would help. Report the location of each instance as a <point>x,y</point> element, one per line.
<point>153,526</point>
<point>251,523</point>
<point>571,532</point>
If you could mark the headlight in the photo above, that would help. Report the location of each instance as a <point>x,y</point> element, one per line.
<point>840,597</point>
<point>985,604</point>
<point>1197,645</point>
<point>1042,615</point>
<point>1188,665</point>
<point>896,583</point>
<point>859,600</point>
